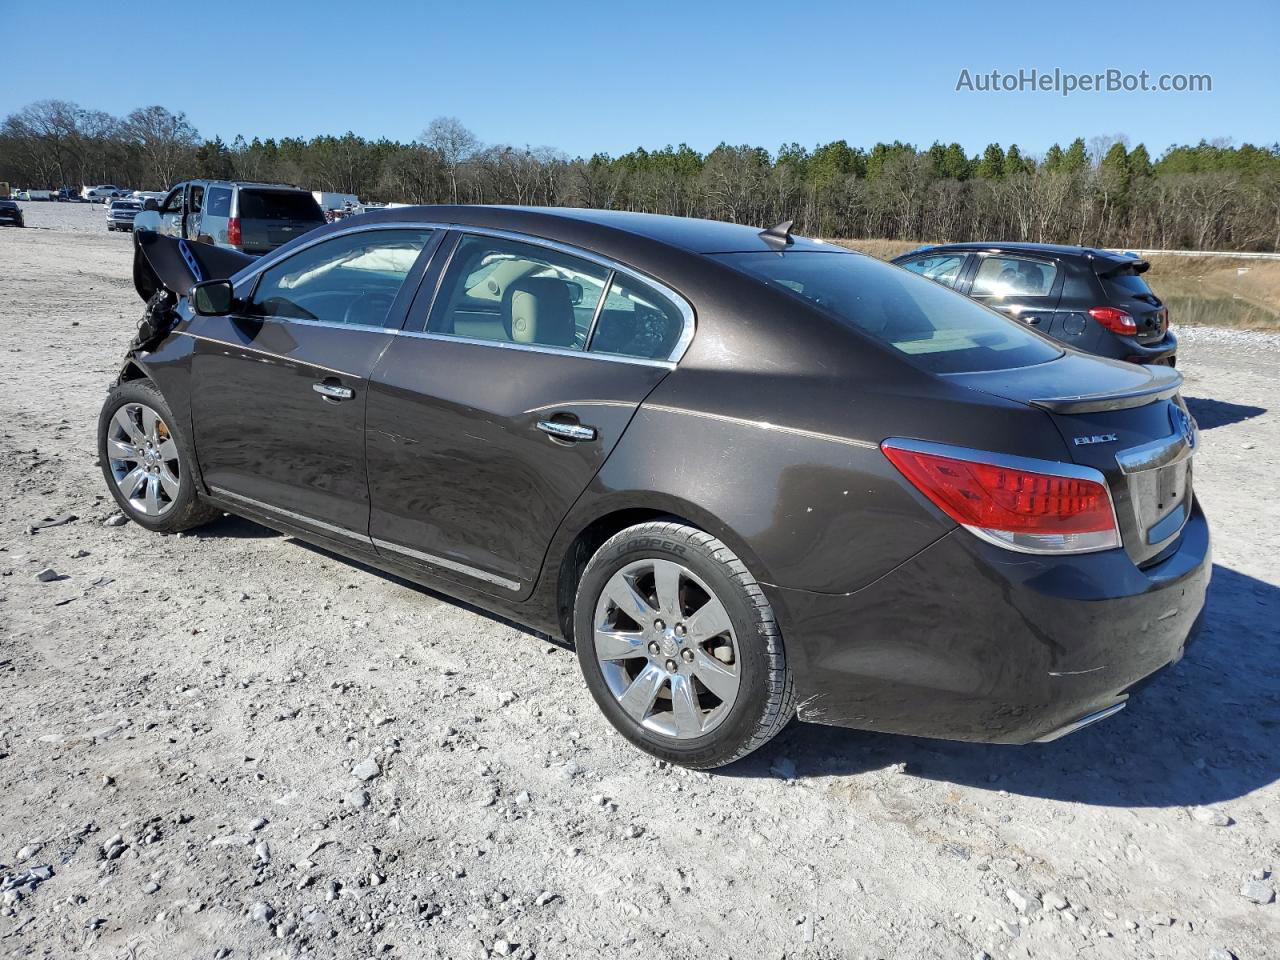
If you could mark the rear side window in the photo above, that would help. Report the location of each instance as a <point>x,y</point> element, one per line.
<point>504,290</point>
<point>943,268</point>
<point>935,328</point>
<point>218,203</point>
<point>351,279</point>
<point>279,205</point>
<point>1006,276</point>
<point>636,321</point>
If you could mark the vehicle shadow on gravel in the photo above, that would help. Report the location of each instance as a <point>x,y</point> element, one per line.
<point>1204,731</point>
<point>1219,413</point>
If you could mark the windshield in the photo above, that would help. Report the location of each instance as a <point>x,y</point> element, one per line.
<point>935,328</point>
<point>279,205</point>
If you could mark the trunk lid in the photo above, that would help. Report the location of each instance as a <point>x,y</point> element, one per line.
<point>1125,288</point>
<point>1126,421</point>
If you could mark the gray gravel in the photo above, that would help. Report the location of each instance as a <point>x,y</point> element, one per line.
<point>184,715</point>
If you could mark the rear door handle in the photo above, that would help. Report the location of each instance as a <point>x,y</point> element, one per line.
<point>333,391</point>
<point>567,431</point>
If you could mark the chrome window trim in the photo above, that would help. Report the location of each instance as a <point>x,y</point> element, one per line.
<point>536,348</point>
<point>682,305</point>
<point>463,568</point>
<point>1051,467</point>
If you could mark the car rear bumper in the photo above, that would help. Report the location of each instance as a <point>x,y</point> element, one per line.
<point>968,641</point>
<point>1164,351</point>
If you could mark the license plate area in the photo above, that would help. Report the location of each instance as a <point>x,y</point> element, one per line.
<point>1161,498</point>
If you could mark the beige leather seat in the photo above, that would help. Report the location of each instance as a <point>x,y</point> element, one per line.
<point>539,310</point>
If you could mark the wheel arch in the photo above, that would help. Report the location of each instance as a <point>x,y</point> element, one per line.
<point>590,528</point>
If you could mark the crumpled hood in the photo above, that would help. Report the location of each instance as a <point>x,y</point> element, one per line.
<point>177,265</point>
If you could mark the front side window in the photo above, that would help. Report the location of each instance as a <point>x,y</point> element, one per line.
<point>351,279</point>
<point>1006,276</point>
<point>636,321</point>
<point>935,328</point>
<point>173,202</point>
<point>943,268</point>
<point>521,293</point>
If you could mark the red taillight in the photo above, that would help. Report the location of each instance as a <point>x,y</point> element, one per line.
<point>1017,508</point>
<point>1117,321</point>
<point>233,231</point>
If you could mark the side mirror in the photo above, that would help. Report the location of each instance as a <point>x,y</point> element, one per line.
<point>213,298</point>
<point>575,291</point>
<point>150,203</point>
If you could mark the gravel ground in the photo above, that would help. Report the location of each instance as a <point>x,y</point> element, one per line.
<point>229,744</point>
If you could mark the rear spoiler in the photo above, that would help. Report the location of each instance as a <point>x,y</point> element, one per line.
<point>1165,383</point>
<point>177,265</point>
<point>1111,266</point>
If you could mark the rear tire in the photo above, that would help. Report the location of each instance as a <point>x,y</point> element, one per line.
<point>146,460</point>
<point>680,647</point>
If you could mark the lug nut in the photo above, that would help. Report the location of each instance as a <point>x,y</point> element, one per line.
<point>659,625</point>
<point>671,666</point>
<point>653,646</point>
<point>680,630</point>
<point>687,655</point>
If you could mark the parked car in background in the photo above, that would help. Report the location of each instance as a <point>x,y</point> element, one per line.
<point>1092,300</point>
<point>747,474</point>
<point>252,218</point>
<point>20,195</point>
<point>103,192</point>
<point>39,195</point>
<point>69,195</point>
<point>11,213</point>
<point>121,212</point>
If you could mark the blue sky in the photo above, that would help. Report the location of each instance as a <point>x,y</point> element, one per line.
<point>586,76</point>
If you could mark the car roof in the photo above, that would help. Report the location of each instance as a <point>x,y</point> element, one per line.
<point>586,227</point>
<point>1052,249</point>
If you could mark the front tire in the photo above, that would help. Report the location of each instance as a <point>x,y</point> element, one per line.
<point>146,460</point>
<point>680,647</point>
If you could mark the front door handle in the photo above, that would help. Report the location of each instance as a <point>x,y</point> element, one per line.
<point>576,432</point>
<point>333,391</point>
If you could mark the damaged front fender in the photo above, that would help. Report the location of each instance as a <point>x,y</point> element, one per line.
<point>176,265</point>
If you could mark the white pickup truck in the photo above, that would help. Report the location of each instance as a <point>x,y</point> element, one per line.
<point>104,191</point>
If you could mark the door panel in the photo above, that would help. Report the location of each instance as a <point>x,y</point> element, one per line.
<point>461,477</point>
<point>262,429</point>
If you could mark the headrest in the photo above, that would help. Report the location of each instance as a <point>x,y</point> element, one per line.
<point>539,310</point>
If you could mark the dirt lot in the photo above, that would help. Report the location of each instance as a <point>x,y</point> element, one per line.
<point>181,720</point>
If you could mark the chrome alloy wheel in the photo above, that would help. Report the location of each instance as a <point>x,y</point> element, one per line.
<point>144,459</point>
<point>667,648</point>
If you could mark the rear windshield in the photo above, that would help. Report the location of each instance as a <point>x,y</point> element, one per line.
<point>279,205</point>
<point>936,328</point>
<point>1128,282</point>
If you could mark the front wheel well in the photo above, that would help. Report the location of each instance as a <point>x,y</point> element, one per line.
<point>131,372</point>
<point>589,539</point>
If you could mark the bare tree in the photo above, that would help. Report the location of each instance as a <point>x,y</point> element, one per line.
<point>166,140</point>
<point>454,144</point>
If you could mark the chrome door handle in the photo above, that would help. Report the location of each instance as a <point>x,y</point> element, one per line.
<point>567,431</point>
<point>333,391</point>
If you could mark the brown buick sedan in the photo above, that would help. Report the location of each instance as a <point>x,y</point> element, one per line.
<point>747,474</point>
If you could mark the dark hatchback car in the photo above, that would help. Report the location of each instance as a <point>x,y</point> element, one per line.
<point>10,212</point>
<point>748,475</point>
<point>1092,300</point>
